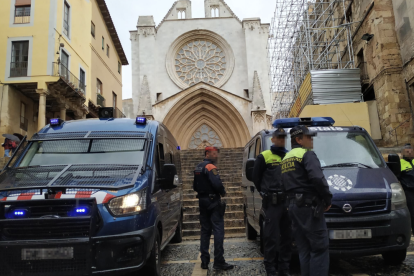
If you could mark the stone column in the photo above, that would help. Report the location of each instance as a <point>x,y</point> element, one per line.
<point>41,120</point>
<point>63,108</point>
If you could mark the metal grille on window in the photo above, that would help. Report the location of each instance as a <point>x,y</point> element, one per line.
<point>117,145</point>
<point>19,60</point>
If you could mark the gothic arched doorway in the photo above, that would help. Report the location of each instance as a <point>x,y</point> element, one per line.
<point>204,118</point>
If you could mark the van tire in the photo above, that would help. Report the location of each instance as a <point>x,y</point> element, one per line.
<point>178,237</point>
<point>153,266</point>
<point>395,257</point>
<point>251,234</point>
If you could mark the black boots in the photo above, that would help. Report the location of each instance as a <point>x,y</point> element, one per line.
<point>223,266</point>
<point>204,265</point>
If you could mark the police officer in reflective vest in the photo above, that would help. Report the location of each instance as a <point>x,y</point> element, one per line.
<point>407,179</point>
<point>277,225</point>
<point>210,189</point>
<point>309,197</point>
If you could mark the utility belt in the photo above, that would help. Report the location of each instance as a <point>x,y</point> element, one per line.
<point>308,200</point>
<point>211,196</point>
<point>273,198</point>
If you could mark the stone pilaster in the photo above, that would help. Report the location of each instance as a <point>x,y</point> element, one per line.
<point>41,120</point>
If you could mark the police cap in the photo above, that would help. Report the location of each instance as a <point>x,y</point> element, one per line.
<point>301,130</point>
<point>280,132</point>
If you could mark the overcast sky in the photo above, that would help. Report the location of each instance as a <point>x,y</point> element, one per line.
<point>125,17</point>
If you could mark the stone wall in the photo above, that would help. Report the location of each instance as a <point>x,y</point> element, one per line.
<point>382,55</point>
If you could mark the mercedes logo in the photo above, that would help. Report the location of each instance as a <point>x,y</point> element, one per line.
<point>347,208</point>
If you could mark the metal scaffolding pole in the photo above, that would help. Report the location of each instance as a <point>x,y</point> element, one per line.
<point>306,35</point>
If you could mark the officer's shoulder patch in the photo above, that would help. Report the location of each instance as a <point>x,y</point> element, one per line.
<point>210,167</point>
<point>214,171</point>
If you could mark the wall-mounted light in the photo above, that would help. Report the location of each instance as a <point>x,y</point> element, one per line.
<point>367,37</point>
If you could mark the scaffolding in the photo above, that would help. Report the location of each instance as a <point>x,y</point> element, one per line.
<point>306,36</point>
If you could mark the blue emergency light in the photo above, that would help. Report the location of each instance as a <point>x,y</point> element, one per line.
<point>17,213</point>
<point>79,211</point>
<point>314,121</point>
<point>141,121</point>
<point>178,148</point>
<point>56,122</point>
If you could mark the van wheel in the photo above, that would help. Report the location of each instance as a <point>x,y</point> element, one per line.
<point>251,234</point>
<point>153,266</point>
<point>178,237</point>
<point>395,257</point>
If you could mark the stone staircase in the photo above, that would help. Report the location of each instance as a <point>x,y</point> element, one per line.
<point>230,167</point>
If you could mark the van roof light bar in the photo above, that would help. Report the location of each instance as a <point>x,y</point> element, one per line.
<point>307,121</point>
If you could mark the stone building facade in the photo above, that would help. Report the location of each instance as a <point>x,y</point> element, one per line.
<point>385,63</point>
<point>206,79</point>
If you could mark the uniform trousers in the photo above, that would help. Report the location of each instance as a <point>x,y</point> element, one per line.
<point>312,240</point>
<point>277,232</point>
<point>212,221</point>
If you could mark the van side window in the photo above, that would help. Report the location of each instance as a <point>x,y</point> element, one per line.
<point>170,159</point>
<point>258,147</point>
<point>161,156</point>
<point>251,151</point>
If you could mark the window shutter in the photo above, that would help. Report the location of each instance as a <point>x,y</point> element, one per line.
<point>23,3</point>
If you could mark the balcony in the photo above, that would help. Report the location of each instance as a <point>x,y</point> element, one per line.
<point>69,78</point>
<point>364,72</point>
<point>18,69</point>
<point>100,100</point>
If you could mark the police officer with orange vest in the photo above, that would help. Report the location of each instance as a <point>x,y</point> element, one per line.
<point>309,197</point>
<point>407,179</point>
<point>210,189</point>
<point>277,224</point>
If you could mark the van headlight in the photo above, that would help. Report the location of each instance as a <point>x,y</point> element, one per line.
<point>128,204</point>
<point>398,200</point>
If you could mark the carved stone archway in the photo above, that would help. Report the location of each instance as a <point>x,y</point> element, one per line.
<point>203,107</point>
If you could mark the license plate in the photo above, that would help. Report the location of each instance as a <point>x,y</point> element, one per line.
<point>350,234</point>
<point>61,253</point>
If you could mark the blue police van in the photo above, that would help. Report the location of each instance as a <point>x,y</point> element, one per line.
<point>369,214</point>
<point>86,197</point>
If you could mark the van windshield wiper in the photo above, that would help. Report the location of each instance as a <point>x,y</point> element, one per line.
<point>348,164</point>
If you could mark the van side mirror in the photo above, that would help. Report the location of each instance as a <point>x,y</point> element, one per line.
<point>169,172</point>
<point>394,164</point>
<point>249,169</point>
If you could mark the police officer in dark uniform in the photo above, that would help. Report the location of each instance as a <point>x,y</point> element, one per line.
<point>210,189</point>
<point>407,178</point>
<point>277,225</point>
<point>309,197</point>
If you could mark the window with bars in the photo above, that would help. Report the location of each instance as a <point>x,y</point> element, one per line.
<point>82,80</point>
<point>19,59</point>
<point>22,15</point>
<point>98,86</point>
<point>66,18</point>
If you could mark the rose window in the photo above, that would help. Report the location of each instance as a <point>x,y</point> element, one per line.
<point>204,137</point>
<point>200,60</point>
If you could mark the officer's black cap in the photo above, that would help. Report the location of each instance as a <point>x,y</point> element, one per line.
<point>304,130</point>
<point>407,146</point>
<point>280,132</point>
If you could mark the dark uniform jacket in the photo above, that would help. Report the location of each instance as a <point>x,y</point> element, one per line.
<point>302,174</point>
<point>407,173</point>
<point>266,172</point>
<point>207,179</point>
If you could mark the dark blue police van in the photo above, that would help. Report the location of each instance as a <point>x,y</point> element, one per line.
<point>96,196</point>
<point>369,215</point>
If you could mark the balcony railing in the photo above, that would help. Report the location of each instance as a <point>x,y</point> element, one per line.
<point>363,71</point>
<point>118,113</point>
<point>18,69</point>
<point>100,100</point>
<point>24,123</point>
<point>60,70</point>
<point>22,15</point>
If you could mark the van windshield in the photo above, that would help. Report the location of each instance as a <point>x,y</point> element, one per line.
<point>94,151</point>
<point>340,148</point>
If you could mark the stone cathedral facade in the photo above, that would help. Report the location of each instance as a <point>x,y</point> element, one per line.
<point>206,79</point>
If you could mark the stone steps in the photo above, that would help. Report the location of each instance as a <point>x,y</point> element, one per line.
<point>228,215</point>
<point>230,168</point>
<point>228,200</point>
<point>227,230</point>
<point>229,208</point>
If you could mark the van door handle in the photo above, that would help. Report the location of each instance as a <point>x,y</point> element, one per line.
<point>252,189</point>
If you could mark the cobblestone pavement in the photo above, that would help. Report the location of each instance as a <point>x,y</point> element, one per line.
<point>183,260</point>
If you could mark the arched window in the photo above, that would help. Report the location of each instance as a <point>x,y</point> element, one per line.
<point>181,14</point>
<point>215,11</point>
